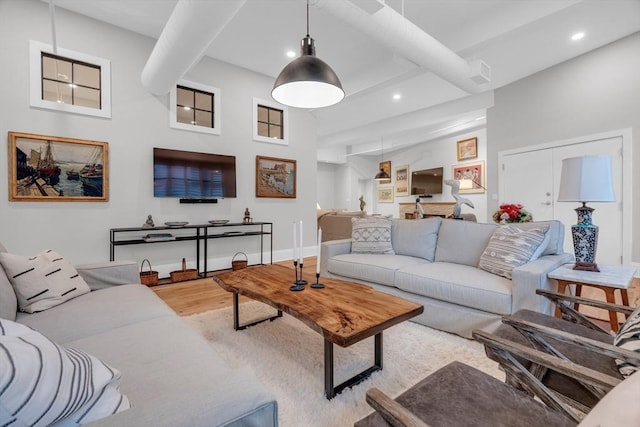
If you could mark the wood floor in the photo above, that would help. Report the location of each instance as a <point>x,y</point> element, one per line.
<point>200,295</point>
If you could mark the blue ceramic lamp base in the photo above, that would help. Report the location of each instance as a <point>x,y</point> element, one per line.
<point>585,240</point>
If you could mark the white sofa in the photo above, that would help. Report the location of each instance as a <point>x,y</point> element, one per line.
<point>170,373</point>
<point>436,264</point>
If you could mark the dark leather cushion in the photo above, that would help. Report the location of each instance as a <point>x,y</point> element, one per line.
<point>459,395</point>
<point>558,382</point>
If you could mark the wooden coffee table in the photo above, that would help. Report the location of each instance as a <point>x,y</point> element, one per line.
<point>344,313</point>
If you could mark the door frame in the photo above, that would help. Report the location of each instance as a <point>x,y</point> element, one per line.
<point>625,200</point>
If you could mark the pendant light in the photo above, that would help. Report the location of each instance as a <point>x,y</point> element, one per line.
<point>382,175</point>
<point>307,81</point>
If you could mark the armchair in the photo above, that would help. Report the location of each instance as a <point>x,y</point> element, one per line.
<point>572,337</point>
<point>458,394</point>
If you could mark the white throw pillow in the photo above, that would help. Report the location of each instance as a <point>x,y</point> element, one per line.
<point>628,337</point>
<point>43,383</point>
<point>43,281</point>
<point>371,235</point>
<point>509,247</point>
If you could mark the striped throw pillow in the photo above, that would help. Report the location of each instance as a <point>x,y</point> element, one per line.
<point>371,235</point>
<point>628,337</point>
<point>509,247</point>
<point>43,383</point>
<point>42,281</point>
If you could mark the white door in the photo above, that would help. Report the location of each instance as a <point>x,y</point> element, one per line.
<point>533,178</point>
<point>526,180</point>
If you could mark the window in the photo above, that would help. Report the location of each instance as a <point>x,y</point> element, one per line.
<point>69,81</point>
<point>270,121</point>
<point>195,107</point>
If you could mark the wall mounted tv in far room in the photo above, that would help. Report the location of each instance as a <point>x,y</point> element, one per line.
<point>191,175</point>
<point>426,182</point>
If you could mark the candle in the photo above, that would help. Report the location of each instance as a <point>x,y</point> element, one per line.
<point>294,241</point>
<point>300,254</point>
<point>319,250</point>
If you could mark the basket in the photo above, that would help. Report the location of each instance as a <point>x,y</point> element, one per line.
<point>184,274</point>
<point>240,263</point>
<point>150,277</point>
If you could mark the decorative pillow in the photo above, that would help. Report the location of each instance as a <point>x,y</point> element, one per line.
<point>628,337</point>
<point>43,281</point>
<point>510,247</point>
<point>371,235</point>
<point>43,383</point>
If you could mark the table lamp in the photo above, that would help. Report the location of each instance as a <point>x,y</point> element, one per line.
<point>586,179</point>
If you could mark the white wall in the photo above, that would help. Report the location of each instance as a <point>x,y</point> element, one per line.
<point>431,154</point>
<point>594,93</point>
<point>139,122</point>
<point>326,185</point>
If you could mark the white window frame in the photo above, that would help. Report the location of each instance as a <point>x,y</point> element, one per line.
<point>217,114</point>
<point>35,80</point>
<point>285,122</point>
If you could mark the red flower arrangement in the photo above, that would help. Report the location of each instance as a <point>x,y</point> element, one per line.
<point>509,212</point>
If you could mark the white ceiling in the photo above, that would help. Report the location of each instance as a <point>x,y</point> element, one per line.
<point>516,38</point>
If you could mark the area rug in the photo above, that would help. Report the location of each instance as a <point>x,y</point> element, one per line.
<point>287,357</point>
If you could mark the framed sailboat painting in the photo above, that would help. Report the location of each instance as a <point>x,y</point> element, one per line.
<point>57,169</point>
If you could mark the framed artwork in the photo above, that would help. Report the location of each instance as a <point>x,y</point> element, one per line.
<point>471,177</point>
<point>275,177</point>
<point>385,195</point>
<point>385,166</point>
<point>50,168</point>
<point>467,149</point>
<point>402,180</point>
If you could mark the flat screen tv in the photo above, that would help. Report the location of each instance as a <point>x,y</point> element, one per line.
<point>191,175</point>
<point>426,182</point>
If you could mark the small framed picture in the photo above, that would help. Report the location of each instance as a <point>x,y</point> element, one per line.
<point>385,166</point>
<point>56,169</point>
<point>385,195</point>
<point>471,177</point>
<point>402,180</point>
<point>275,177</point>
<point>467,149</point>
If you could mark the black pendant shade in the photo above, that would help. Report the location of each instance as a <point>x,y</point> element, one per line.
<point>307,81</point>
<point>381,175</point>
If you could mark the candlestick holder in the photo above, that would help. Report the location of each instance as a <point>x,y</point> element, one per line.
<point>317,285</point>
<point>298,285</point>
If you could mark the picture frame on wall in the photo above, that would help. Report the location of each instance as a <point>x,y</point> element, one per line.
<point>275,177</point>
<point>402,180</point>
<point>385,166</point>
<point>471,177</point>
<point>467,149</point>
<point>51,168</point>
<point>385,195</point>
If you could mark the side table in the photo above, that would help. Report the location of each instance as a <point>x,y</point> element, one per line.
<point>608,280</point>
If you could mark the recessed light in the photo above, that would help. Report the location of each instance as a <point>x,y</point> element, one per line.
<point>186,108</point>
<point>290,54</point>
<point>577,36</point>
<point>396,96</point>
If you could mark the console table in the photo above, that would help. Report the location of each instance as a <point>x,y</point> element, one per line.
<point>442,209</point>
<point>198,233</point>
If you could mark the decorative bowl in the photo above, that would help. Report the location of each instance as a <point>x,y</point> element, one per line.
<point>218,221</point>
<point>176,223</point>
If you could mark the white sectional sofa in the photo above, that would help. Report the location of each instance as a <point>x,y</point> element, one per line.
<point>435,263</point>
<point>170,374</point>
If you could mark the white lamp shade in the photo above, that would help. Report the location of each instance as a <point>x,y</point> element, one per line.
<point>466,184</point>
<point>586,179</point>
